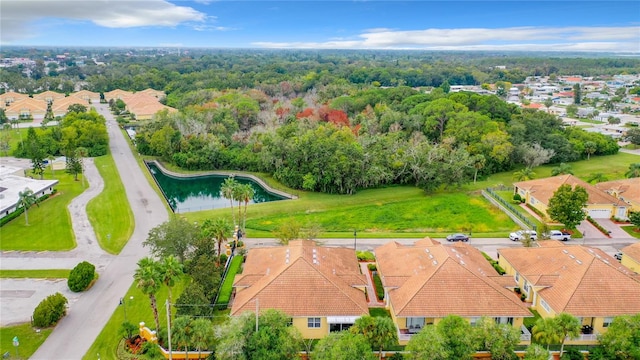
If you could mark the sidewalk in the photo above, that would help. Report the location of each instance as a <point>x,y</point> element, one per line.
<point>371,290</point>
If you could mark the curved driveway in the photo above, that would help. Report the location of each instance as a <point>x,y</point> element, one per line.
<point>75,334</point>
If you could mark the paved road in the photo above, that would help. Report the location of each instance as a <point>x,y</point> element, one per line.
<point>77,331</point>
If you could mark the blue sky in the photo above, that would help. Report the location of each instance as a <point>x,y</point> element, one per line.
<point>606,26</point>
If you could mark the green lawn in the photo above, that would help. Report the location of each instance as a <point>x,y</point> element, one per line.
<point>49,224</point>
<point>138,310</point>
<point>15,137</point>
<point>36,274</point>
<point>631,230</point>
<point>112,232</point>
<point>379,312</point>
<point>28,338</point>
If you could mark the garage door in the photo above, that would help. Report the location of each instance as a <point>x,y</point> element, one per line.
<point>600,213</point>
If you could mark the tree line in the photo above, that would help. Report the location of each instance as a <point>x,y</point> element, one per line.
<point>337,140</point>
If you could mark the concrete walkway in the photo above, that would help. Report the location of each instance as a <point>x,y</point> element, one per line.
<point>614,229</point>
<point>371,290</point>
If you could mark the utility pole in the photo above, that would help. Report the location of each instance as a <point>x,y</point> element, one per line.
<point>169,329</point>
<point>355,237</point>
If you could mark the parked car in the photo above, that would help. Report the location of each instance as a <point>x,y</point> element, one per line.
<point>618,255</point>
<point>458,237</point>
<point>559,235</point>
<point>522,234</point>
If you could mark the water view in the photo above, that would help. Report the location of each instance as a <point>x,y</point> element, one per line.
<point>197,193</point>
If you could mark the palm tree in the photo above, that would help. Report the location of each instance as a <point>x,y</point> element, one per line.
<point>218,229</point>
<point>524,174</point>
<point>170,271</point>
<point>568,326</point>
<point>590,148</point>
<point>634,171</point>
<point>81,152</point>
<point>545,332</point>
<point>478,164</point>
<point>246,194</point>
<point>51,158</point>
<point>201,334</point>
<point>597,177</point>
<point>181,333</point>
<point>228,191</point>
<point>149,279</point>
<point>26,198</point>
<point>562,169</point>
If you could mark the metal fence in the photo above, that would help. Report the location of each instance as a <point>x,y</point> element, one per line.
<point>510,207</point>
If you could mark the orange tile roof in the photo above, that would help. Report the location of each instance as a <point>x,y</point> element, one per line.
<point>62,105</point>
<point>629,189</point>
<point>86,94</point>
<point>434,280</point>
<point>576,279</point>
<point>532,106</point>
<point>48,95</point>
<point>13,96</point>
<point>143,104</point>
<point>33,105</point>
<point>632,251</point>
<point>301,279</point>
<point>117,94</point>
<point>543,189</point>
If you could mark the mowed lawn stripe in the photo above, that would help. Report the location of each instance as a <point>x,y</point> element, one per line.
<point>109,212</point>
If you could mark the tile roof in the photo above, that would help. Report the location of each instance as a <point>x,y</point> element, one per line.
<point>117,94</point>
<point>629,189</point>
<point>49,94</point>
<point>301,279</point>
<point>12,95</point>
<point>433,280</point>
<point>543,189</point>
<point>62,105</point>
<point>579,280</point>
<point>86,94</point>
<point>633,251</point>
<point>144,104</point>
<point>27,103</point>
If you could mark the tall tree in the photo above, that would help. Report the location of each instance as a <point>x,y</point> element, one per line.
<point>218,229</point>
<point>568,327</point>
<point>380,332</point>
<point>170,271</point>
<point>201,334</point>
<point>545,332</point>
<point>457,334</point>
<point>633,136</point>
<point>567,205</point>
<point>228,189</point>
<point>246,195</point>
<point>74,165</point>
<point>174,237</point>
<point>26,198</point>
<point>181,333</point>
<point>499,339</point>
<point>148,279</point>
<point>577,94</point>
<point>343,345</point>
<point>562,169</point>
<point>590,148</point>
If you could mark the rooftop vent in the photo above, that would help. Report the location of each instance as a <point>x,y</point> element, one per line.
<point>435,262</point>
<point>572,256</point>
<point>579,262</point>
<point>565,251</point>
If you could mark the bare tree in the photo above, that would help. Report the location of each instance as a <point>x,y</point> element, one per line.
<point>535,155</point>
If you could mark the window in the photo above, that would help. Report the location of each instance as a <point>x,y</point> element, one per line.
<point>339,327</point>
<point>517,278</point>
<point>607,322</point>
<point>415,322</point>
<point>503,320</point>
<point>474,320</point>
<point>526,288</point>
<point>545,305</point>
<point>313,322</point>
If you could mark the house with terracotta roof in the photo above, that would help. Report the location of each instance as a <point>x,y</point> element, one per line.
<point>144,106</point>
<point>26,108</point>
<point>61,107</point>
<point>9,97</point>
<point>117,94</point>
<point>428,281</point>
<point>631,257</point>
<point>600,204</point>
<point>584,282</point>
<point>88,96</point>
<point>320,288</point>
<point>49,96</point>
<point>155,93</point>
<point>627,190</point>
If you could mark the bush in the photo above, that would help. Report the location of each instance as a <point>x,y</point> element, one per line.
<point>572,353</point>
<point>517,198</point>
<point>372,267</point>
<point>50,311</point>
<point>81,276</point>
<point>598,226</point>
<point>377,282</point>
<point>366,256</point>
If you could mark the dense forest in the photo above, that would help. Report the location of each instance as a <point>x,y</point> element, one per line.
<point>338,121</point>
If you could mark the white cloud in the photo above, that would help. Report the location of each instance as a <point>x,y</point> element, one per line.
<point>18,16</point>
<point>611,39</point>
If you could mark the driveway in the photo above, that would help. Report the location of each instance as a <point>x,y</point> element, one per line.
<point>614,229</point>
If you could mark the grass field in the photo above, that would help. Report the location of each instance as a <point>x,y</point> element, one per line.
<point>49,224</point>
<point>15,137</point>
<point>138,310</point>
<point>35,274</point>
<point>28,338</point>
<point>631,230</point>
<point>112,232</point>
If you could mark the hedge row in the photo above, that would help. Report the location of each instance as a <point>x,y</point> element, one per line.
<point>494,263</point>
<point>594,223</point>
<point>227,285</point>
<point>377,283</point>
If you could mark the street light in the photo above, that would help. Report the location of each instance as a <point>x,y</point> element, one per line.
<point>124,306</point>
<point>355,237</point>
<point>16,343</point>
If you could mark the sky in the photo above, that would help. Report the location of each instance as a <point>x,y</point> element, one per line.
<point>593,25</point>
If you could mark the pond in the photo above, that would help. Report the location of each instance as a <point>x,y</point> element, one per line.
<point>202,192</point>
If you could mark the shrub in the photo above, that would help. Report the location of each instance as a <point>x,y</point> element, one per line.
<point>227,286</point>
<point>377,282</point>
<point>598,226</point>
<point>81,276</point>
<point>572,353</point>
<point>523,297</point>
<point>372,267</point>
<point>366,256</point>
<point>517,198</point>
<point>50,311</point>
